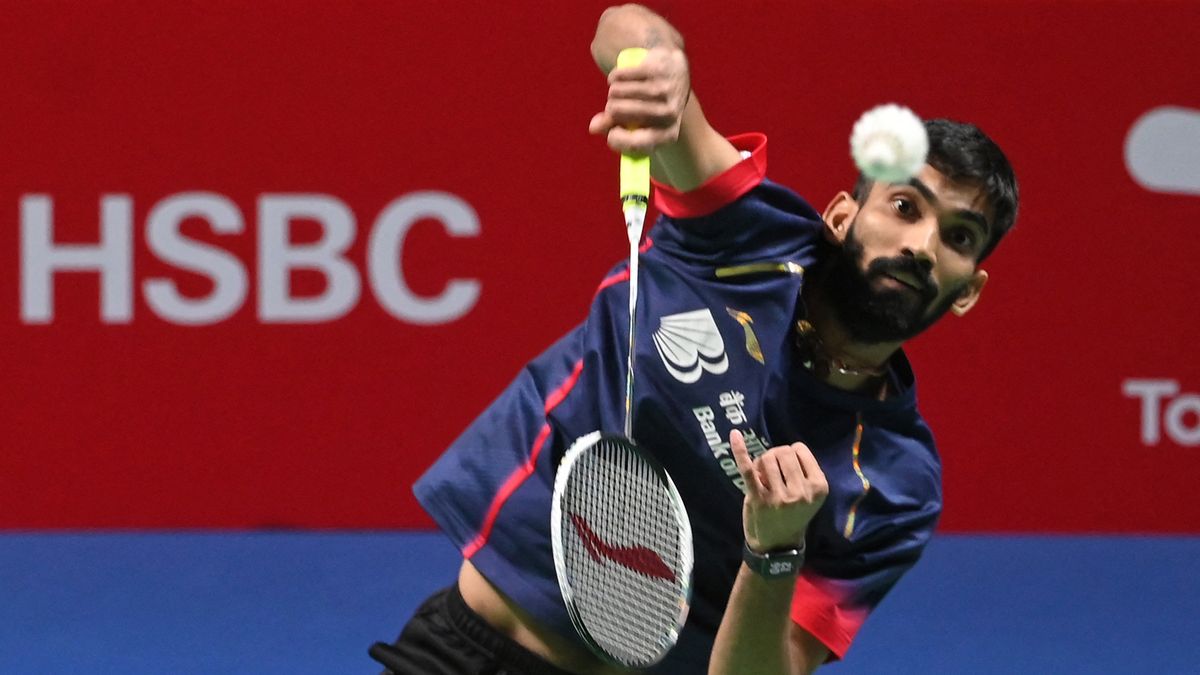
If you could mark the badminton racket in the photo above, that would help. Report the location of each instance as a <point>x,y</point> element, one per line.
<point>621,537</point>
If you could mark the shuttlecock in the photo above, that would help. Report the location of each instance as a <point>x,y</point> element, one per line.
<point>889,143</point>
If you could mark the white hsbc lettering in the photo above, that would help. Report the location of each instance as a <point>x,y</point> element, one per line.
<point>112,258</point>
<point>1165,409</point>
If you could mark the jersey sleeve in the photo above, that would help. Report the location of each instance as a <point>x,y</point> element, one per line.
<point>737,217</point>
<point>836,592</point>
<point>722,189</point>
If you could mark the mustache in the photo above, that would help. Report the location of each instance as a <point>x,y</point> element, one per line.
<point>906,267</point>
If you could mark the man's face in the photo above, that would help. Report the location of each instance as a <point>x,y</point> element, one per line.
<point>908,256</point>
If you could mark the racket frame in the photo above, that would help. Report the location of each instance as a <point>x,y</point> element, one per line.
<point>686,553</point>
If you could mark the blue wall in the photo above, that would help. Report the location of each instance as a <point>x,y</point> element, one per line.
<point>312,603</point>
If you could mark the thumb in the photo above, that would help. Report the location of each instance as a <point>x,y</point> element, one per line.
<point>600,124</point>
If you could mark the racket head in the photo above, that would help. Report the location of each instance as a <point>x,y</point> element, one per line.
<point>622,547</point>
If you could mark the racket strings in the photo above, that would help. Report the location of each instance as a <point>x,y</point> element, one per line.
<point>626,554</point>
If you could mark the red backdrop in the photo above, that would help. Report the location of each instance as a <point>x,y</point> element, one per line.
<point>1066,402</point>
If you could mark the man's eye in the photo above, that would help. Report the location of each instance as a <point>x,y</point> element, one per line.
<point>962,238</point>
<point>904,207</point>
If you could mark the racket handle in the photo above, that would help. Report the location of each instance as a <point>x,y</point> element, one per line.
<point>635,197</point>
<point>635,171</point>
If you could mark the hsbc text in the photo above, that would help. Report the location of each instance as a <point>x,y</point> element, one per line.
<point>112,258</point>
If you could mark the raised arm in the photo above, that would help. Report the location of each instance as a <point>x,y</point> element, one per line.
<point>651,108</point>
<point>784,489</point>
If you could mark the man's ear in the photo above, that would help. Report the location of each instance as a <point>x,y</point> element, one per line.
<point>970,294</point>
<point>838,216</point>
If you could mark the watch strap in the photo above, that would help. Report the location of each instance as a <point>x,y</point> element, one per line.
<point>774,564</point>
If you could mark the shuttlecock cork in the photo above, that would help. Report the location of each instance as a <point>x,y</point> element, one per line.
<point>889,143</point>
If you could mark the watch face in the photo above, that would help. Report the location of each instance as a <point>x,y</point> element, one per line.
<point>777,568</point>
<point>776,564</point>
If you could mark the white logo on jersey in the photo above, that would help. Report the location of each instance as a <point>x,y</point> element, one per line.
<point>689,343</point>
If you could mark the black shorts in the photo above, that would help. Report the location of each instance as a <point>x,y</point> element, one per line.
<point>446,637</point>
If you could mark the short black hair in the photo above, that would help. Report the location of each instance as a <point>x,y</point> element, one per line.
<point>964,153</point>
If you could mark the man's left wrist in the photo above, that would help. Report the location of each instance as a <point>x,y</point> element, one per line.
<point>774,564</point>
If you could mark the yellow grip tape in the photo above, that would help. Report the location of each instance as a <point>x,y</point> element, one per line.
<point>630,57</point>
<point>635,171</point>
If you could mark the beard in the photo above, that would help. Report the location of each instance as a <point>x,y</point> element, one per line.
<point>877,315</point>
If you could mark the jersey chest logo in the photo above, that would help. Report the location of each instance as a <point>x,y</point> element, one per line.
<point>689,344</point>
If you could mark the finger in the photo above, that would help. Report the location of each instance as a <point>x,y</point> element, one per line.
<point>634,113</point>
<point>640,90</point>
<point>807,460</point>
<point>601,123</point>
<point>793,473</point>
<point>638,141</point>
<point>745,465</point>
<point>772,474</point>
<point>636,73</point>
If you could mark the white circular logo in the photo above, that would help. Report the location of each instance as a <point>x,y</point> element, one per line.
<point>1162,150</point>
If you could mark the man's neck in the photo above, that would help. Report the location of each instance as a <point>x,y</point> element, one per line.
<point>861,365</point>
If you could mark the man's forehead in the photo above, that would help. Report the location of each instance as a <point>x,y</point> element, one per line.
<point>951,196</point>
<point>954,194</point>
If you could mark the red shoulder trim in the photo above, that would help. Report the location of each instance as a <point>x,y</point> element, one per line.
<point>721,189</point>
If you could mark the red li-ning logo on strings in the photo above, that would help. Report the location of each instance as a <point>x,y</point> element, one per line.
<point>637,558</point>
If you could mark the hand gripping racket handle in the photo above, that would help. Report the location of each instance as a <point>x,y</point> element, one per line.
<point>635,197</point>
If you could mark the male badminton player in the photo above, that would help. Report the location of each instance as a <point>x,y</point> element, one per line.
<point>771,385</point>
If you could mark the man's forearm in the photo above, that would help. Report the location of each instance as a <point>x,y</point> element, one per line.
<point>700,153</point>
<point>785,488</point>
<point>756,634</point>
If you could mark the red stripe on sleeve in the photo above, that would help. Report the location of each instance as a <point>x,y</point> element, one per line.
<point>522,472</point>
<point>623,275</point>
<point>617,278</point>
<point>559,394</point>
<point>722,189</point>
<point>821,608</point>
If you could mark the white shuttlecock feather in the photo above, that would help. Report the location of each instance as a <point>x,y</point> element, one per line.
<point>889,143</point>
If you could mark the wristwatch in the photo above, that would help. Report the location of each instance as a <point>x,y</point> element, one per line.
<point>774,564</point>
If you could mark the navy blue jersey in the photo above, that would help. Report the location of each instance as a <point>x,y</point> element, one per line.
<point>721,276</point>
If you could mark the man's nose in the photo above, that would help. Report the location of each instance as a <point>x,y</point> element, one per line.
<point>920,242</point>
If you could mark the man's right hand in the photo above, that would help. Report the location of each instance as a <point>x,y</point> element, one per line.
<point>645,103</point>
<point>651,109</point>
